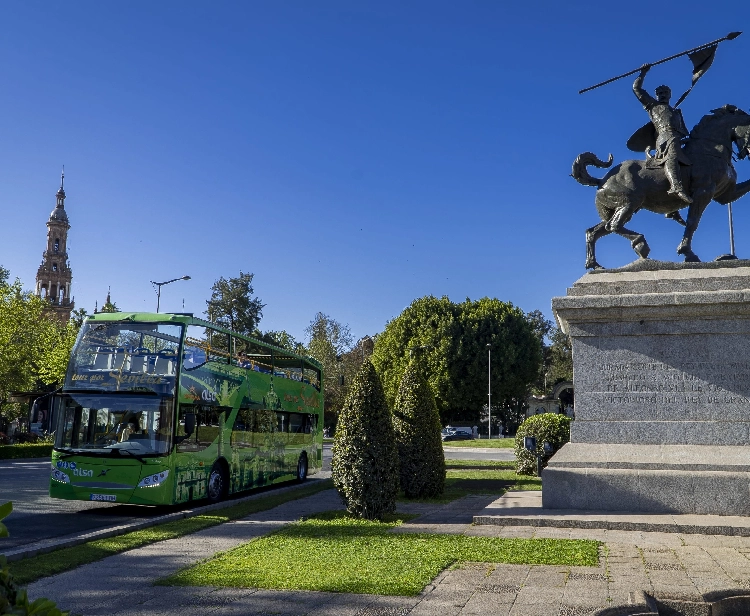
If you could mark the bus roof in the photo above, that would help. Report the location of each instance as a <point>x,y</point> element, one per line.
<point>188,319</point>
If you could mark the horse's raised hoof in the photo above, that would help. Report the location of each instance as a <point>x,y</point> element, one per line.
<point>641,247</point>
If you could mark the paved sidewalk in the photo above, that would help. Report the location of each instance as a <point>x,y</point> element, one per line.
<point>694,567</point>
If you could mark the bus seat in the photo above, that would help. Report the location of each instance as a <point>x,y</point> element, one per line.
<point>165,363</point>
<point>118,359</point>
<point>138,363</point>
<point>103,359</point>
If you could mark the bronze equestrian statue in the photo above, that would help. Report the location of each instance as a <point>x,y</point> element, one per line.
<point>635,184</point>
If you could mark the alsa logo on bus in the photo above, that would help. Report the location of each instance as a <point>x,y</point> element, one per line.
<point>78,472</point>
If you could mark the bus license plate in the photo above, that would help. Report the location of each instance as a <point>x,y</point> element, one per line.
<point>104,497</point>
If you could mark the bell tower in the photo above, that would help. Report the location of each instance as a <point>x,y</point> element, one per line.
<point>54,277</point>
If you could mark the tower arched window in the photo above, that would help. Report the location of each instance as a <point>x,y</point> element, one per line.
<point>54,267</point>
<point>57,245</point>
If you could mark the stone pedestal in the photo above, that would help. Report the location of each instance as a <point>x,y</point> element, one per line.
<point>661,355</point>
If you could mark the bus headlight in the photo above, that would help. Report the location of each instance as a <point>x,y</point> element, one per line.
<point>153,480</point>
<point>58,475</point>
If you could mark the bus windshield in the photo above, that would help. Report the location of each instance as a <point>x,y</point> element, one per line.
<point>127,423</point>
<point>125,357</point>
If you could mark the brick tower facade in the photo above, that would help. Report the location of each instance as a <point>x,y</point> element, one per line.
<point>54,277</point>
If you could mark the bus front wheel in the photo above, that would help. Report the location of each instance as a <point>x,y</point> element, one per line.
<point>302,467</point>
<point>218,483</point>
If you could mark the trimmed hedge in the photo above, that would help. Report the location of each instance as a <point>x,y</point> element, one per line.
<point>364,466</point>
<point>25,450</point>
<point>551,427</point>
<point>420,448</point>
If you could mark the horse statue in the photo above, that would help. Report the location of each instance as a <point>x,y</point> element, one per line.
<point>631,186</point>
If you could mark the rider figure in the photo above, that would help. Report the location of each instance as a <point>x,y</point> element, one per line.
<point>670,131</point>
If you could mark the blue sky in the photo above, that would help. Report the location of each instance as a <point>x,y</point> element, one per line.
<point>352,155</point>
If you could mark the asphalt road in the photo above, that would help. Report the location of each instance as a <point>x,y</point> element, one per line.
<point>36,516</point>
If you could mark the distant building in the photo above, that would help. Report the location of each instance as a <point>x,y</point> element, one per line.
<point>560,400</point>
<point>54,277</point>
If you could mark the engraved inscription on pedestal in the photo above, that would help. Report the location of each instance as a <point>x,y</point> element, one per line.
<point>680,389</point>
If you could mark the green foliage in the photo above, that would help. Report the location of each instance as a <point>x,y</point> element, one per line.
<point>14,600</point>
<point>36,346</point>
<point>365,458</point>
<point>5,511</point>
<point>331,343</point>
<point>334,553</point>
<point>4,273</point>
<point>232,304</point>
<point>417,425</point>
<point>561,357</point>
<point>281,339</point>
<point>25,450</point>
<point>455,360</point>
<point>553,428</point>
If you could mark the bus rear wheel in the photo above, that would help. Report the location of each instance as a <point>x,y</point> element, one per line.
<point>218,483</point>
<point>302,467</point>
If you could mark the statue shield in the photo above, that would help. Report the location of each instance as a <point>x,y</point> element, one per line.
<point>644,137</point>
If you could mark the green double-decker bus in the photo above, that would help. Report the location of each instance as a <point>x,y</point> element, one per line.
<point>166,408</point>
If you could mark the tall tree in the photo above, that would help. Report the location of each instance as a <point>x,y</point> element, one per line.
<point>364,466</point>
<point>233,305</point>
<point>561,358</point>
<point>4,273</point>
<point>416,422</point>
<point>454,338</point>
<point>329,342</point>
<point>28,335</point>
<point>281,339</point>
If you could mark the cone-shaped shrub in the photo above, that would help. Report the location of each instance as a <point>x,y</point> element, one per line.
<point>365,459</point>
<point>420,449</point>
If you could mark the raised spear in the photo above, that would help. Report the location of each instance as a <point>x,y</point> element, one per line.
<point>728,37</point>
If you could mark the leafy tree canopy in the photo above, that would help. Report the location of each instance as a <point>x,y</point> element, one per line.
<point>35,345</point>
<point>452,339</point>
<point>233,305</point>
<point>281,339</point>
<point>330,342</point>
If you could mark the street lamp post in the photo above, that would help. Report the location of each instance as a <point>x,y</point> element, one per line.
<point>489,391</point>
<point>159,285</point>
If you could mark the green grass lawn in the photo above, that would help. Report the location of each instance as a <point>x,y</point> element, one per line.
<point>464,477</point>
<point>31,569</point>
<point>333,552</point>
<point>494,443</point>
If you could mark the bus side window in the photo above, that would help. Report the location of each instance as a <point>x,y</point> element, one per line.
<point>243,428</point>
<point>208,423</point>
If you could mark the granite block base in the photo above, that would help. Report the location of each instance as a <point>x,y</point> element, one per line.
<point>695,479</point>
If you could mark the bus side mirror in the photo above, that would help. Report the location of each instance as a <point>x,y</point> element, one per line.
<point>189,423</point>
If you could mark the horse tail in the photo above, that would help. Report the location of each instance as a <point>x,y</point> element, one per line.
<point>581,174</point>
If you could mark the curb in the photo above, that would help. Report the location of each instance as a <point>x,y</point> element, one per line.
<point>50,545</point>
<point>594,524</point>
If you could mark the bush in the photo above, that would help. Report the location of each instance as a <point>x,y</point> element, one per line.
<point>420,448</point>
<point>12,599</point>
<point>26,450</point>
<point>364,467</point>
<point>27,437</point>
<point>4,440</point>
<point>551,427</point>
